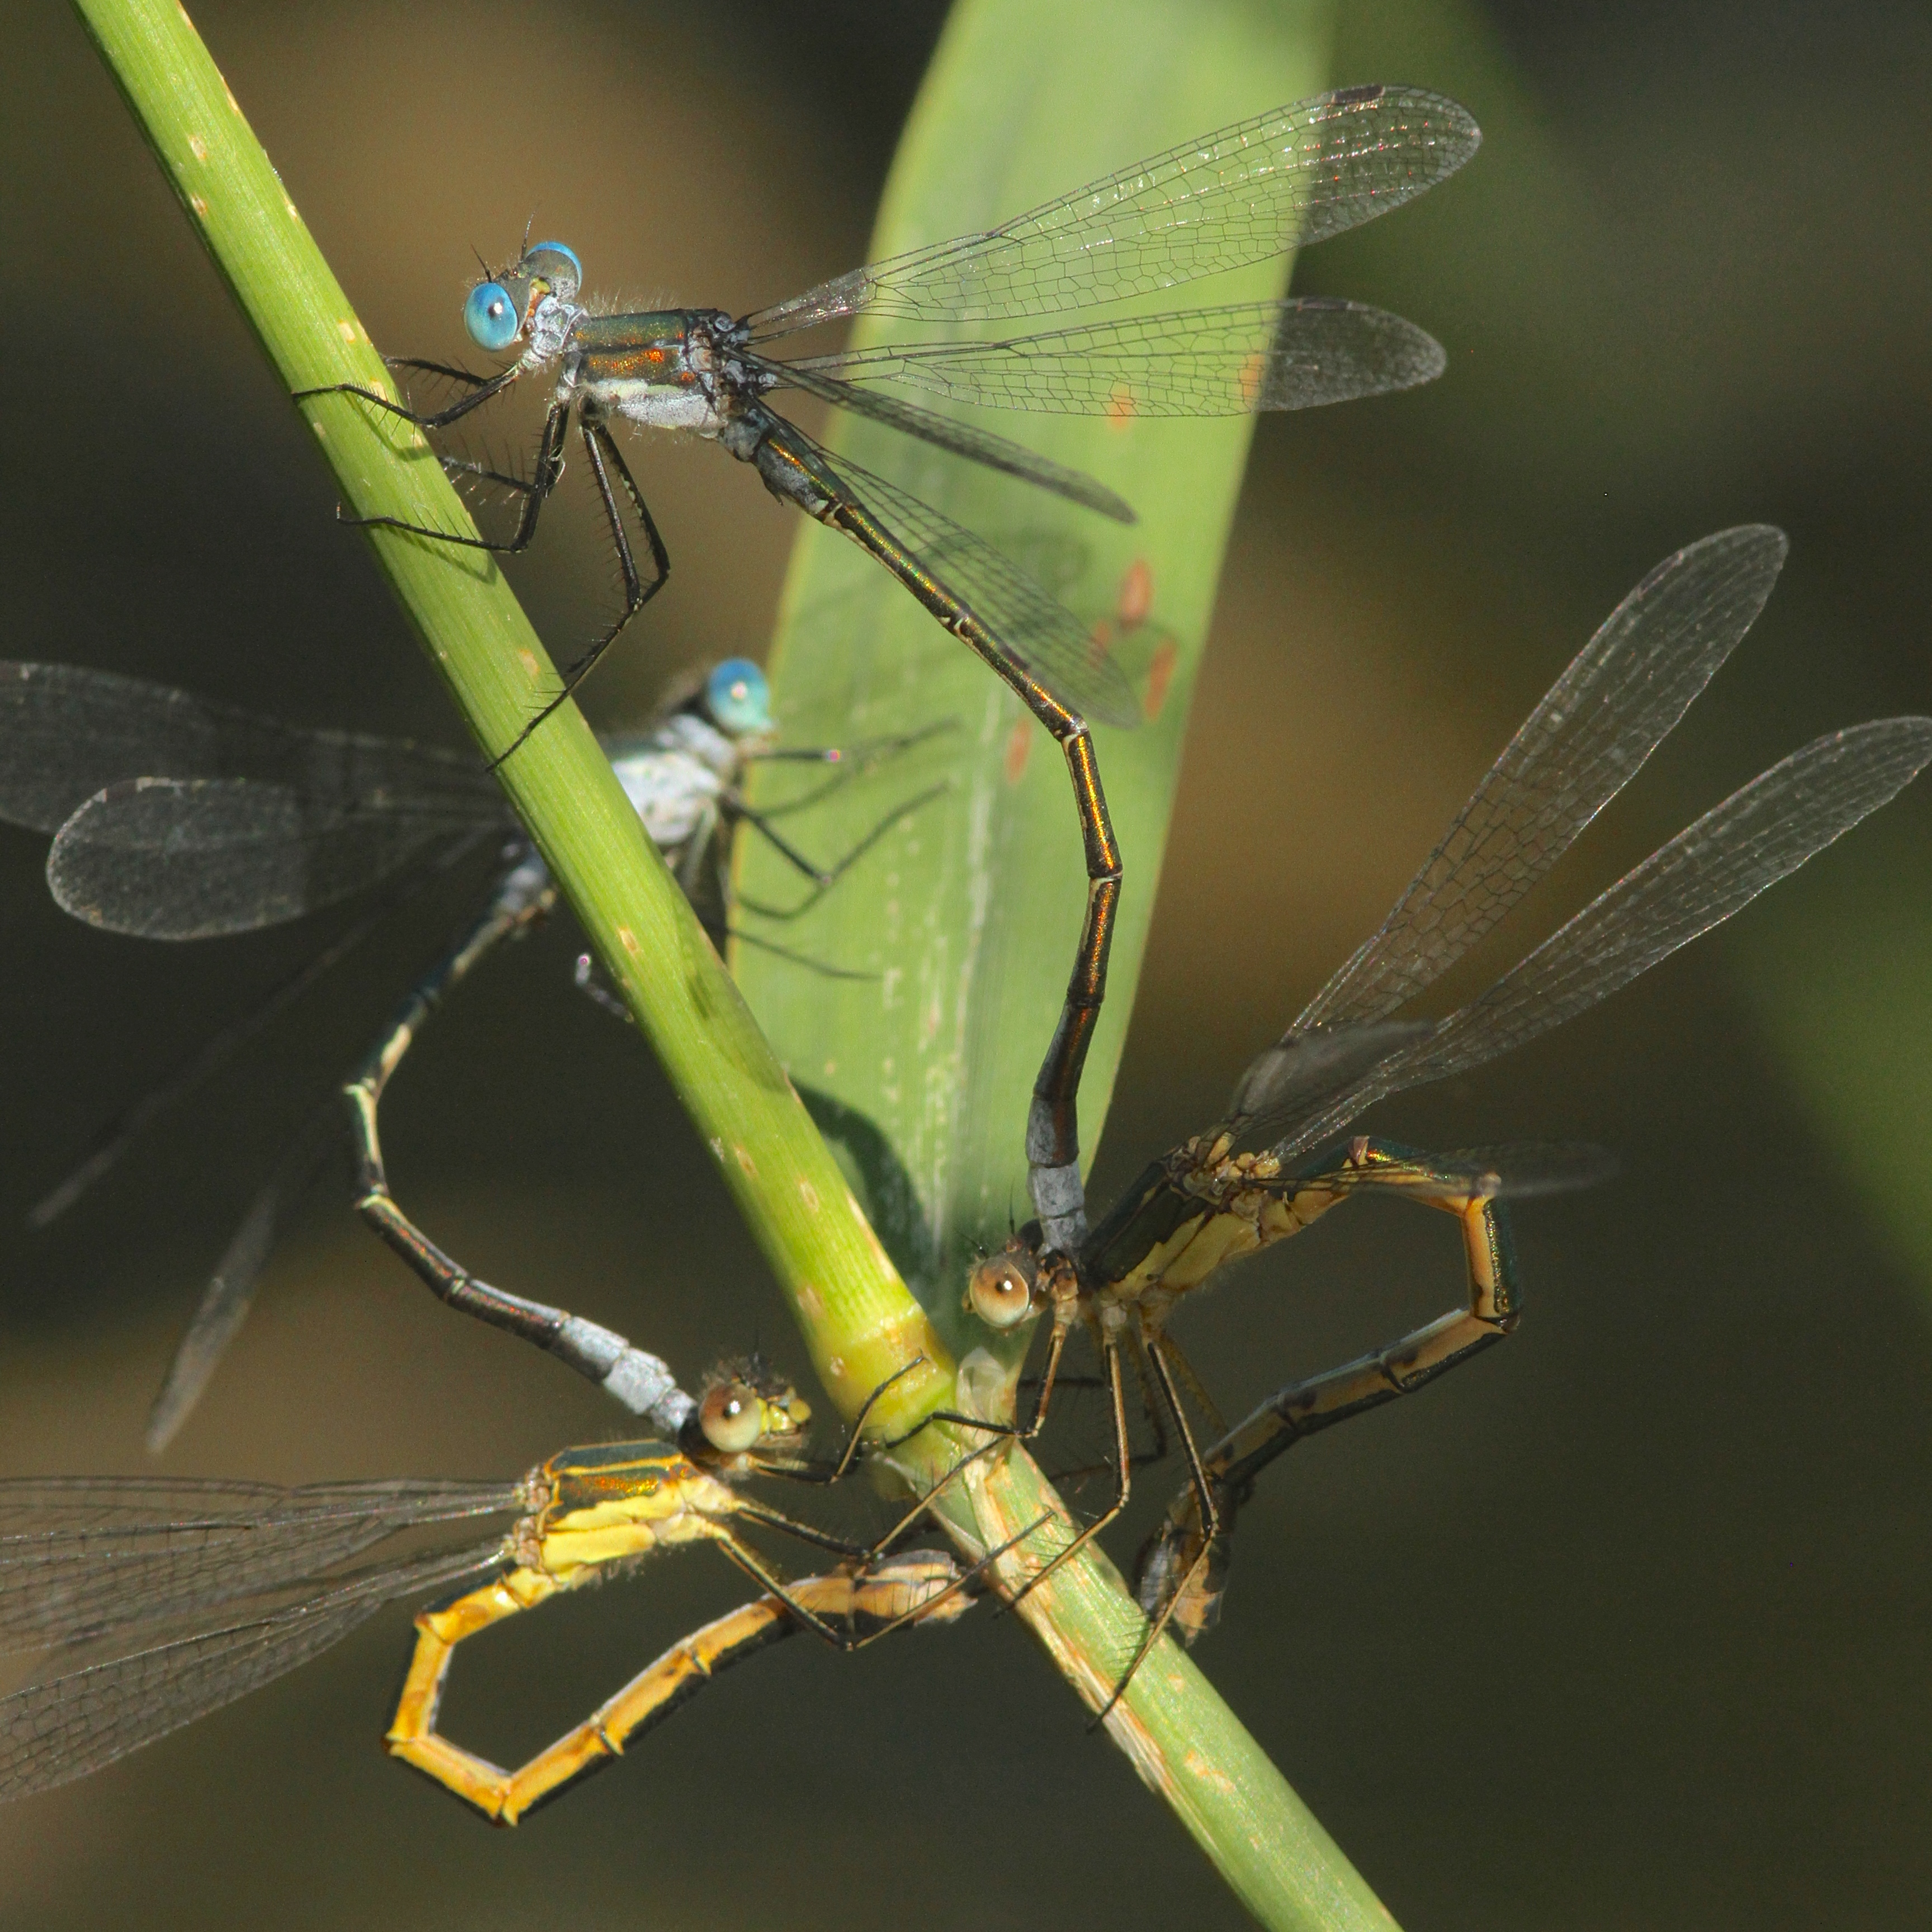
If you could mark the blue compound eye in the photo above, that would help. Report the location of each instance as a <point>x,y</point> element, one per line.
<point>738,697</point>
<point>557,264</point>
<point>491,317</point>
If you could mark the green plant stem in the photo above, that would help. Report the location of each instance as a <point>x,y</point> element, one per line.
<point>860,1323</point>
<point>1189,1747</point>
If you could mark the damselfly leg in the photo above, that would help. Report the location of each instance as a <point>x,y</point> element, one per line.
<point>1183,1570</point>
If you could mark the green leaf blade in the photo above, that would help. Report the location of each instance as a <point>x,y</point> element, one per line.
<point>969,912</point>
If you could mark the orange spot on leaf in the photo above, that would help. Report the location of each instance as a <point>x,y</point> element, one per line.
<point>1160,676</point>
<point>1136,597</point>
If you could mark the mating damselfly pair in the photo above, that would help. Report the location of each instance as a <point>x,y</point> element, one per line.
<point>1207,1203</point>
<point>1201,1207</point>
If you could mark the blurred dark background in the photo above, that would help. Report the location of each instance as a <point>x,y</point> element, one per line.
<point>1626,1625</point>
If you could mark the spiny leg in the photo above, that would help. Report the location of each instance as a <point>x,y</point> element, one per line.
<point>755,1566</point>
<point>1179,1548</point>
<point>823,967</point>
<point>601,450</point>
<point>837,1471</point>
<point>1156,1349</point>
<point>1064,1301</point>
<point>641,1382</point>
<point>707,850</point>
<point>921,1587</point>
<point>925,1501</point>
<point>1110,1348</point>
<point>824,877</point>
<point>1183,1372</point>
<point>852,761</point>
<point>536,492</point>
<point>484,387</point>
<point>1151,1404</point>
<point>1015,1278</point>
<point>452,372</point>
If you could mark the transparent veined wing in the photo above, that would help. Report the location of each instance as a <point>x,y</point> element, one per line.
<point>215,1587</point>
<point>1762,832</point>
<point>82,1556</point>
<point>66,1727</point>
<point>230,1291</point>
<point>1235,361</point>
<point>1528,1170</point>
<point>1283,179</point>
<point>1302,1072</point>
<point>1035,632</point>
<point>67,731</point>
<point>183,859</point>
<point>1618,700</point>
<point>1505,1171</point>
<point>976,445</point>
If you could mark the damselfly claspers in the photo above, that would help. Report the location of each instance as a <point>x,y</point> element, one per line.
<point>1243,194</point>
<point>1210,1201</point>
<point>197,1592</point>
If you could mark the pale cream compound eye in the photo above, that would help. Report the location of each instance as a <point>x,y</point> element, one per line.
<point>998,1291</point>
<point>733,1417</point>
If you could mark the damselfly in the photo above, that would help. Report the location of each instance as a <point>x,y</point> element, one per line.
<point>1241,195</point>
<point>1209,1201</point>
<point>188,1594</point>
<point>176,818</point>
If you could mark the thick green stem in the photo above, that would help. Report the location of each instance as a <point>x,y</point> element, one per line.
<point>860,1323</point>
<point>1189,1747</point>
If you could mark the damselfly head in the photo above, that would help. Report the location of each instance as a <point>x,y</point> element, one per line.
<point>1003,1289</point>
<point>745,1406</point>
<point>738,698</point>
<point>500,307</point>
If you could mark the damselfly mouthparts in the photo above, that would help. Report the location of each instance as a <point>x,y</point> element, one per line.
<point>199,1591</point>
<point>1208,1202</point>
<point>1241,195</point>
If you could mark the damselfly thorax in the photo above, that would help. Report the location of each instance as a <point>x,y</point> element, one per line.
<point>667,369</point>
